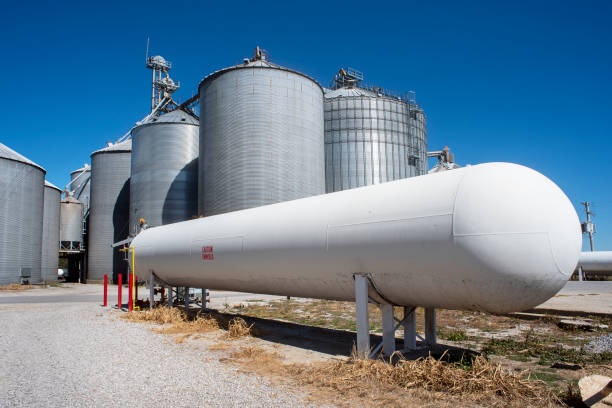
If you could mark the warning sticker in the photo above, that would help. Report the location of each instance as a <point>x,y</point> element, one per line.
<point>208,253</point>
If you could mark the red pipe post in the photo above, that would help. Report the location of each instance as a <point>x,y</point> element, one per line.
<point>105,289</point>
<point>119,293</point>
<point>130,302</point>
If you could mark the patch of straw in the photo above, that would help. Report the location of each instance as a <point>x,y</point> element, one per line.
<point>482,381</point>
<point>16,286</point>
<point>176,321</point>
<point>238,328</point>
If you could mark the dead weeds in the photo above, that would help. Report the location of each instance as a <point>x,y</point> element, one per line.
<point>16,286</point>
<point>237,328</point>
<point>407,382</point>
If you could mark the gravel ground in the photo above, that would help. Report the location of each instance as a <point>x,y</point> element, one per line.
<point>74,354</point>
<point>600,345</point>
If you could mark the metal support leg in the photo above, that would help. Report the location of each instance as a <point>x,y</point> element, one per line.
<point>186,296</point>
<point>430,326</point>
<point>170,297</point>
<point>152,291</point>
<point>363,321</point>
<point>203,298</point>
<point>388,329</point>
<point>409,324</point>
<point>580,274</point>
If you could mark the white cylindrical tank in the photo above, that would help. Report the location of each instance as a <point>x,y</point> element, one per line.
<point>597,261</point>
<point>496,237</point>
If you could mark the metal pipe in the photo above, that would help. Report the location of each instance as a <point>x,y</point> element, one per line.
<point>597,261</point>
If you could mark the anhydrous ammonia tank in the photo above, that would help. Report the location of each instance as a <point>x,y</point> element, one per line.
<point>71,224</point>
<point>164,181</point>
<point>496,237</point>
<point>371,138</point>
<point>50,232</point>
<point>109,211</point>
<point>21,217</point>
<point>261,137</point>
<point>81,184</point>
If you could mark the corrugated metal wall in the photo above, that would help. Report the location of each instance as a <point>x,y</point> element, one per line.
<point>164,178</point>
<point>261,139</point>
<point>371,140</point>
<point>50,233</point>
<point>109,212</point>
<point>21,215</point>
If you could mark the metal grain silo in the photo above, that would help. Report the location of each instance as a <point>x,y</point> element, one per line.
<point>371,136</point>
<point>261,137</point>
<point>109,210</point>
<point>21,217</point>
<point>164,176</point>
<point>71,224</point>
<point>50,232</point>
<point>81,184</point>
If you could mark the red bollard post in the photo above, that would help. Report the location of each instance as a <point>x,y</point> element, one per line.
<point>119,293</point>
<point>105,289</point>
<point>130,302</point>
<point>136,289</point>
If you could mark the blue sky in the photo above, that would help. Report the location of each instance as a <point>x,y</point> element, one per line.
<point>528,82</point>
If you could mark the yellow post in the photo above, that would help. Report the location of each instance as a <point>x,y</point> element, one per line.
<point>134,307</point>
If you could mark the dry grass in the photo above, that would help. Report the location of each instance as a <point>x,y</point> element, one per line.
<point>238,328</point>
<point>406,383</point>
<point>483,381</point>
<point>176,321</point>
<point>16,286</point>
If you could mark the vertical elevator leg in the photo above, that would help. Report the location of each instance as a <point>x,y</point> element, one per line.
<point>430,326</point>
<point>409,328</point>
<point>152,290</point>
<point>388,329</point>
<point>363,321</point>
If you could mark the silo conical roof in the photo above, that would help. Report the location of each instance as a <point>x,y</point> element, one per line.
<point>176,116</point>
<point>47,184</point>
<point>10,154</point>
<point>71,199</point>
<point>82,169</point>
<point>125,146</point>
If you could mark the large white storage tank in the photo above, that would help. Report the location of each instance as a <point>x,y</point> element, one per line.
<point>21,217</point>
<point>371,135</point>
<point>164,175</point>
<point>495,237</point>
<point>109,210</point>
<point>51,232</point>
<point>261,137</point>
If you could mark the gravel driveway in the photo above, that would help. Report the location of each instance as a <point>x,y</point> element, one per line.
<point>65,354</point>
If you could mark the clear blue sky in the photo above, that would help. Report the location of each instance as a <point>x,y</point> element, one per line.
<point>528,82</point>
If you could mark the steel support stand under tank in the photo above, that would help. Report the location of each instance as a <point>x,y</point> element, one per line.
<point>363,321</point>
<point>409,324</point>
<point>186,297</point>
<point>170,297</point>
<point>430,326</point>
<point>365,292</point>
<point>151,290</point>
<point>203,303</point>
<point>388,323</point>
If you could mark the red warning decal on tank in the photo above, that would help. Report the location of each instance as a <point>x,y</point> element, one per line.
<point>208,253</point>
